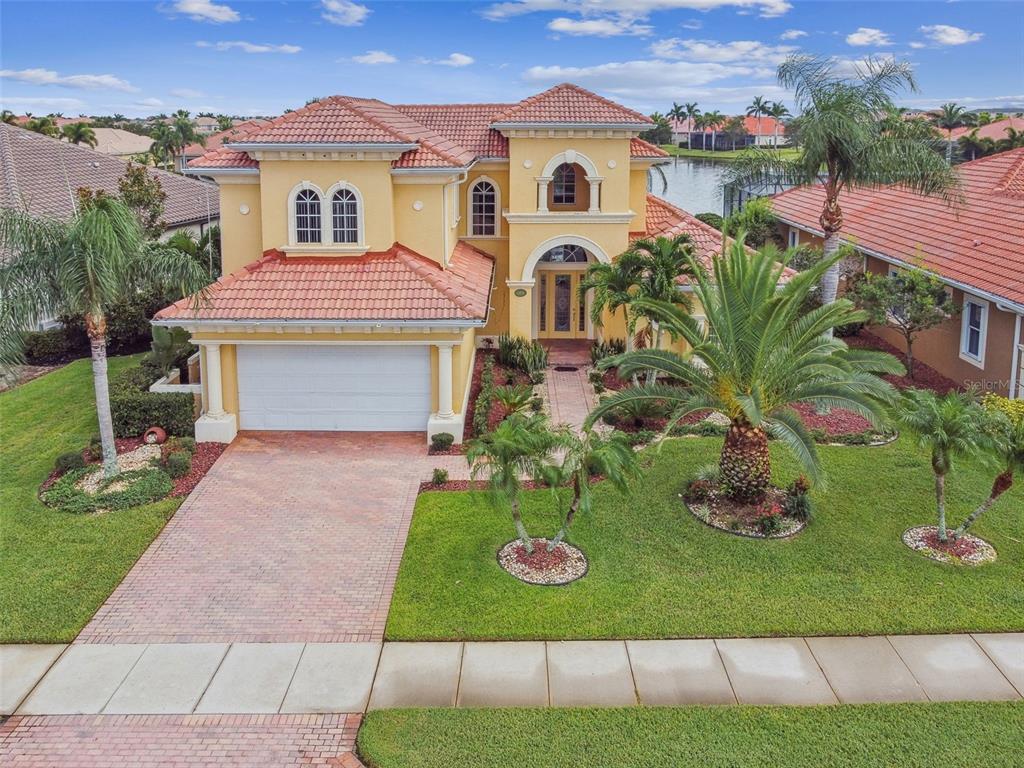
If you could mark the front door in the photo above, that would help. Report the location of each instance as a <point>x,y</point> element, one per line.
<point>562,312</point>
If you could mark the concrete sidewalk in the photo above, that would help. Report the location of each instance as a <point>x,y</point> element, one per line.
<point>321,678</point>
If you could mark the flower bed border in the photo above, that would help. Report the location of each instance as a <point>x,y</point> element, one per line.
<point>586,565</point>
<point>944,558</point>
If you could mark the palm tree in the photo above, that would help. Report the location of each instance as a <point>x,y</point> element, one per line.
<point>691,113</point>
<point>760,352</point>
<point>663,261</point>
<point>844,146</point>
<point>79,133</point>
<point>8,117</point>
<point>949,427</point>
<point>586,455</point>
<point>713,120</point>
<point>677,112</point>
<point>777,110</point>
<point>519,446</point>
<point>204,249</point>
<point>756,109</point>
<point>1013,140</point>
<point>614,286</point>
<point>83,267</point>
<point>165,143</point>
<point>1008,439</point>
<point>44,125</point>
<point>224,122</point>
<point>736,129</point>
<point>950,116</point>
<point>977,146</point>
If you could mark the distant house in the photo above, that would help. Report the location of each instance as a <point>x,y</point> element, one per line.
<point>760,131</point>
<point>121,143</point>
<point>216,140</point>
<point>976,249</point>
<point>206,125</point>
<point>995,130</point>
<point>60,122</point>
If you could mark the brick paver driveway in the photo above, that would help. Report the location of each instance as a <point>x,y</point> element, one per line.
<point>290,537</point>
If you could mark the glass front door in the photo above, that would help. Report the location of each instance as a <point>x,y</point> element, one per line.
<point>563,314</point>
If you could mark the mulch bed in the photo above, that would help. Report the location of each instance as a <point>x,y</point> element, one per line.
<point>502,376</point>
<point>968,550</point>
<point>454,450</point>
<point>475,485</point>
<point>925,377</point>
<point>740,519</point>
<point>564,564</point>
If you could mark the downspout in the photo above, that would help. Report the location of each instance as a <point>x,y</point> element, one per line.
<point>1016,390</point>
<point>447,222</point>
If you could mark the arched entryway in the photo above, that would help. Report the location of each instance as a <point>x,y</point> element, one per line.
<point>557,268</point>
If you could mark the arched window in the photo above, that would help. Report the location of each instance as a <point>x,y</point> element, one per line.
<point>345,216</point>
<point>565,254</point>
<point>484,213</point>
<point>307,216</point>
<point>563,185</point>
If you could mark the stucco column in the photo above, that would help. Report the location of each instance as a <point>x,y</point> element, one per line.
<point>595,193</point>
<point>444,381</point>
<point>542,193</point>
<point>520,308</point>
<point>214,384</point>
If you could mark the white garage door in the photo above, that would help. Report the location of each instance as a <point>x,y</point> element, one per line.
<point>333,387</point>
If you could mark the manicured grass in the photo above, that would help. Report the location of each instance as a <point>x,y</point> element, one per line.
<point>57,568</point>
<point>962,735</point>
<point>724,154</point>
<point>655,571</point>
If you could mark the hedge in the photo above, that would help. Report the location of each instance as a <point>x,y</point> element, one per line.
<point>135,409</point>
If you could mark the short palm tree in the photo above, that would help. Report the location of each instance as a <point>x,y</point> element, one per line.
<point>44,125</point>
<point>614,286</point>
<point>949,427</point>
<point>166,143</point>
<point>949,117</point>
<point>844,144</point>
<point>518,447</point>
<point>778,111</point>
<point>759,353</point>
<point>82,267</point>
<point>663,262</point>
<point>1008,447</point>
<point>205,248</point>
<point>79,133</point>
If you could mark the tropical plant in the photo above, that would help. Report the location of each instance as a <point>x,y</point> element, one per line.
<point>678,112</point>
<point>79,133</point>
<point>614,287</point>
<point>844,145</point>
<point>756,109</point>
<point>1013,140</point>
<point>757,219</point>
<point>949,427</point>
<point>83,267</point>
<point>736,129</point>
<point>713,120</point>
<point>949,117</point>
<point>757,354</point>
<point>8,117</point>
<point>518,447</point>
<point>165,144</point>
<point>514,398</point>
<point>205,249</point>
<point>778,111</point>
<point>44,125</point>
<point>976,146</point>
<point>165,349</point>
<point>224,123</point>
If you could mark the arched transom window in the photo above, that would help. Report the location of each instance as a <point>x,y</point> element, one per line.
<point>484,221</point>
<point>307,216</point>
<point>563,185</point>
<point>565,254</point>
<point>345,216</point>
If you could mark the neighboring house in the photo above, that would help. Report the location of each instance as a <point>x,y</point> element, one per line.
<point>977,249</point>
<point>370,248</point>
<point>121,143</point>
<point>996,130</point>
<point>760,131</point>
<point>215,140</point>
<point>206,125</point>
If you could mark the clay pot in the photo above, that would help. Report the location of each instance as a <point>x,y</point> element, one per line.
<point>154,436</point>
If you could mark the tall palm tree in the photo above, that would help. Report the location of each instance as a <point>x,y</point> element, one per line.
<point>758,107</point>
<point>950,116</point>
<point>677,112</point>
<point>844,145</point>
<point>975,145</point>
<point>663,261</point>
<point>614,287</point>
<point>79,133</point>
<point>713,120</point>
<point>760,352</point>
<point>165,143</point>
<point>83,267</point>
<point>777,110</point>
<point>691,113</point>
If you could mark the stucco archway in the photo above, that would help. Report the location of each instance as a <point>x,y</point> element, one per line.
<point>583,242</point>
<point>570,156</point>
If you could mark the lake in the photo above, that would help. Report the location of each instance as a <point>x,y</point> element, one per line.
<point>694,184</point>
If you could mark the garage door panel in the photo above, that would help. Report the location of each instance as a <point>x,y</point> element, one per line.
<point>333,387</point>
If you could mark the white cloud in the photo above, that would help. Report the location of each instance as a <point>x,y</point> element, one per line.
<point>187,93</point>
<point>943,34</point>
<point>249,47</point>
<point>375,57</point>
<point>636,9</point>
<point>792,34</point>
<point>149,102</point>
<point>846,67</point>
<point>692,24</point>
<point>868,36</point>
<point>453,60</point>
<point>711,50</point>
<point>918,45</point>
<point>344,13</point>
<point>206,10</point>
<point>33,103</point>
<point>39,76</point>
<point>606,27</point>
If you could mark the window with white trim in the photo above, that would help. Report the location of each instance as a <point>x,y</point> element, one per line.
<point>563,185</point>
<point>345,216</point>
<point>484,213</point>
<point>974,328</point>
<point>307,216</point>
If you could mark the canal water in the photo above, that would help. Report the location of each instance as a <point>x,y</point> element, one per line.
<point>694,184</point>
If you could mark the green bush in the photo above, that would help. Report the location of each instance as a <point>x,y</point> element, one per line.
<point>442,441</point>
<point>534,361</point>
<point>610,348</point>
<point>135,409</point>
<point>69,461</point>
<point>440,476</point>
<point>128,328</point>
<point>797,503</point>
<point>134,489</point>
<point>711,219</point>
<point>510,349</point>
<point>178,464</point>
<point>187,444</point>
<point>484,400</point>
<point>49,347</point>
<point>95,447</point>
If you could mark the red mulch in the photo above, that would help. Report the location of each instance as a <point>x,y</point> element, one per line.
<point>541,559</point>
<point>204,457</point>
<point>501,377</point>
<point>960,548</point>
<point>455,450</point>
<point>925,377</point>
<point>475,485</point>
<point>837,421</point>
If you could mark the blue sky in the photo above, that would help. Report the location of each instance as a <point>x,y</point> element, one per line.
<point>242,58</point>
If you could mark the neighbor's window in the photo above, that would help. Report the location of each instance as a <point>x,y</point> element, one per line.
<point>794,237</point>
<point>307,216</point>
<point>563,186</point>
<point>345,216</point>
<point>485,209</point>
<point>975,320</point>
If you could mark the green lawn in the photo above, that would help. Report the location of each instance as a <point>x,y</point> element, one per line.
<point>961,735</point>
<point>723,154</point>
<point>655,571</point>
<point>56,568</point>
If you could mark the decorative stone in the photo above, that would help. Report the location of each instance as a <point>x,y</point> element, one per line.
<point>562,565</point>
<point>968,550</point>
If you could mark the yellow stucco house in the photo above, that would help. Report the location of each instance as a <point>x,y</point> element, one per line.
<point>369,249</point>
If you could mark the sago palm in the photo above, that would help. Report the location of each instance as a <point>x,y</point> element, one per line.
<point>759,353</point>
<point>82,267</point>
<point>845,145</point>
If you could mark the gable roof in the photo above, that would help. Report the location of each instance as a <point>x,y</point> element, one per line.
<point>41,175</point>
<point>569,104</point>
<point>117,141</point>
<point>216,140</point>
<point>979,244</point>
<point>995,130</point>
<point>396,285</point>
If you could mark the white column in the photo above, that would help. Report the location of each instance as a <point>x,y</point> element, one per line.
<point>214,385</point>
<point>595,194</point>
<point>444,381</point>
<point>542,193</point>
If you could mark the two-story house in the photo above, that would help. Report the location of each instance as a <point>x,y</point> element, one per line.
<point>369,248</point>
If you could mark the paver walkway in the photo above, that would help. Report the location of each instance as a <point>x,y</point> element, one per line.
<point>570,396</point>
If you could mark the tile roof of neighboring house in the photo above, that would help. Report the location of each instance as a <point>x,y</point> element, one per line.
<point>117,141</point>
<point>216,140</point>
<point>979,244</point>
<point>393,285</point>
<point>639,149</point>
<point>42,174</point>
<point>568,103</point>
<point>664,219</point>
<point>995,130</point>
<point>763,126</point>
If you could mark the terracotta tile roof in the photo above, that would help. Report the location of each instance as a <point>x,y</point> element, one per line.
<point>639,148</point>
<point>224,157</point>
<point>216,140</point>
<point>568,103</point>
<point>333,120</point>
<point>995,130</point>
<point>764,126</point>
<point>434,149</point>
<point>664,219</point>
<point>468,125</point>
<point>393,285</point>
<point>980,244</point>
<point>41,175</point>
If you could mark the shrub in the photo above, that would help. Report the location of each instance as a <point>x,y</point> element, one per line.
<point>69,461</point>
<point>95,447</point>
<point>185,443</point>
<point>698,490</point>
<point>711,219</point>
<point>537,404</point>
<point>440,476</point>
<point>798,503</point>
<point>135,409</point>
<point>1013,409</point>
<point>641,437</point>
<point>484,400</point>
<point>133,489</point>
<point>510,349</point>
<point>533,361</point>
<point>610,348</point>
<point>514,399</point>
<point>49,347</point>
<point>177,463</point>
<point>769,518</point>
<point>442,441</point>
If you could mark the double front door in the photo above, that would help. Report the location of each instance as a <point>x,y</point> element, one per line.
<point>562,312</point>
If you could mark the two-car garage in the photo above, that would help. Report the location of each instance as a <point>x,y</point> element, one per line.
<point>333,387</point>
